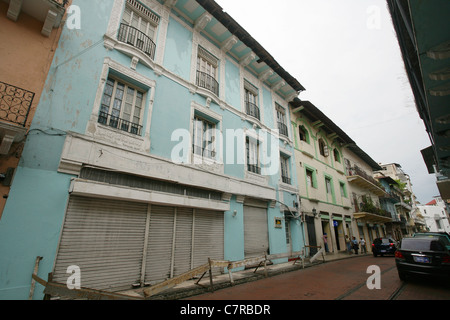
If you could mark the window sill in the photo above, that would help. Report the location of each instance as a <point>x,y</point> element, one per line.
<point>257,178</point>
<point>118,137</point>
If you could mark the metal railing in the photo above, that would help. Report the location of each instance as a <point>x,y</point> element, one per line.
<point>283,129</point>
<point>252,110</point>
<point>118,123</point>
<point>286,179</point>
<point>203,152</point>
<point>356,171</point>
<point>208,82</point>
<point>61,3</point>
<point>15,103</point>
<point>137,39</point>
<point>253,168</point>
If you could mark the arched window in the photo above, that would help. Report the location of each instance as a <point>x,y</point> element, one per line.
<point>303,134</point>
<point>323,148</point>
<point>337,156</point>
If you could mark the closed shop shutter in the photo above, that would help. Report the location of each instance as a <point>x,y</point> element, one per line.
<point>208,236</point>
<point>256,234</point>
<point>105,239</point>
<point>160,243</point>
<point>183,241</point>
<point>119,244</point>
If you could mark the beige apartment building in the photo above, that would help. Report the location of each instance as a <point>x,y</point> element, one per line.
<point>338,195</point>
<point>323,187</point>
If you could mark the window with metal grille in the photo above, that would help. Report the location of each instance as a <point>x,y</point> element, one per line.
<point>121,107</point>
<point>253,164</point>
<point>285,177</point>
<point>281,119</point>
<point>207,66</point>
<point>138,27</point>
<point>203,138</point>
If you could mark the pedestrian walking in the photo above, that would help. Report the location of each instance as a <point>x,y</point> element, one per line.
<point>325,242</point>
<point>363,246</point>
<point>355,245</point>
<point>349,244</point>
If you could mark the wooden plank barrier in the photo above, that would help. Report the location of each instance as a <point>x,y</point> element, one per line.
<point>58,289</point>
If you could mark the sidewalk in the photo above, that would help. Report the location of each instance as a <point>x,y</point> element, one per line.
<point>190,288</point>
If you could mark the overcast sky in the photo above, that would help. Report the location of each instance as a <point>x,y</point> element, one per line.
<point>345,53</point>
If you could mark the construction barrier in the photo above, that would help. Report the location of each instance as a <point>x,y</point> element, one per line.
<point>61,290</point>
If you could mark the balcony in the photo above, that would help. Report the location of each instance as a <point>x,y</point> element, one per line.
<point>138,39</point>
<point>50,12</point>
<point>358,177</point>
<point>15,104</point>
<point>120,124</point>
<point>207,82</point>
<point>252,110</point>
<point>371,214</point>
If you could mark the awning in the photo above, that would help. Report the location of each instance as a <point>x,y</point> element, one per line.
<point>371,217</point>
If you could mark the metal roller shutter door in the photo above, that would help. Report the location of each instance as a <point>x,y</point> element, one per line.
<point>183,241</point>
<point>208,236</point>
<point>256,234</point>
<point>160,243</point>
<point>105,239</point>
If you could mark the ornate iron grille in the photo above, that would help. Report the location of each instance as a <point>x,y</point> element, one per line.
<point>15,103</point>
<point>118,123</point>
<point>252,110</point>
<point>206,81</point>
<point>137,39</point>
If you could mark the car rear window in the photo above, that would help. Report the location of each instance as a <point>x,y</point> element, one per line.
<point>419,244</point>
<point>382,240</point>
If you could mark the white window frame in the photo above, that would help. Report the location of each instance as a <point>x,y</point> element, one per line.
<point>105,133</point>
<point>207,138</point>
<point>158,14</point>
<point>119,115</point>
<point>252,154</point>
<point>215,163</point>
<point>251,95</point>
<point>284,166</point>
<point>281,114</point>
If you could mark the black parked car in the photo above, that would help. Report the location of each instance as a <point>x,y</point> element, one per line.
<point>382,246</point>
<point>423,256</point>
<point>444,236</point>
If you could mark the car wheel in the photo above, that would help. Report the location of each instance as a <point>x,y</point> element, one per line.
<point>402,276</point>
<point>374,254</point>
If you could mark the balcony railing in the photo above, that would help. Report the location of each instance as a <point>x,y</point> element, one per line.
<point>283,129</point>
<point>208,82</point>
<point>286,180</point>
<point>252,110</point>
<point>61,3</point>
<point>15,103</point>
<point>357,171</point>
<point>203,152</point>
<point>137,39</point>
<point>118,123</point>
<point>254,168</point>
<point>367,207</point>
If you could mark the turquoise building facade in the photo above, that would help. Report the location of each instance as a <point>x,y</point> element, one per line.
<point>162,138</point>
